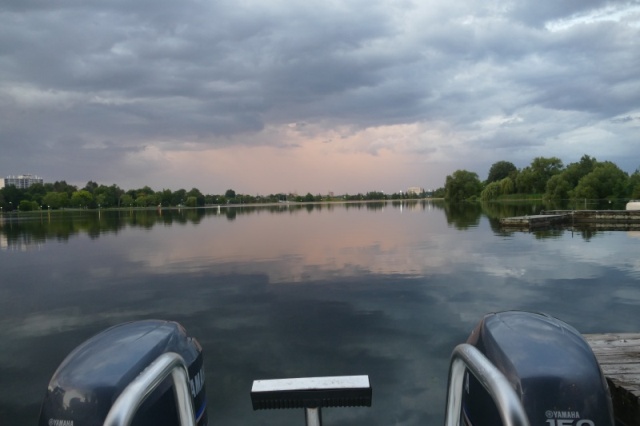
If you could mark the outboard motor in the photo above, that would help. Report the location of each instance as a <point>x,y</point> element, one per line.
<point>549,365</point>
<point>86,384</point>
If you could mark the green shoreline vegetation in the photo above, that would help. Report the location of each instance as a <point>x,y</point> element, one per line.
<point>62,196</point>
<point>544,179</point>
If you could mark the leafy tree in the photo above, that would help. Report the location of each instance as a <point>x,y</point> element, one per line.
<point>145,190</point>
<point>165,197</point>
<point>501,170</point>
<point>35,193</point>
<point>558,187</point>
<point>439,193</point>
<point>533,178</point>
<point>507,186</point>
<point>55,200</point>
<point>81,198</point>
<point>178,197</point>
<point>633,186</point>
<point>230,193</point>
<point>491,191</point>
<point>606,181</point>
<point>126,200</point>
<point>525,181</point>
<point>462,185</point>
<point>576,171</point>
<point>91,186</point>
<point>63,186</point>
<point>542,169</point>
<point>107,196</point>
<point>141,201</point>
<point>198,196</point>
<point>12,195</point>
<point>147,200</point>
<point>191,202</point>
<point>100,201</point>
<point>27,206</point>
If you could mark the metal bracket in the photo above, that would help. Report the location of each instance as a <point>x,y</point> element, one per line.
<point>312,394</point>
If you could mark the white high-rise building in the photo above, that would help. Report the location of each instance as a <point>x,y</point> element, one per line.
<point>417,190</point>
<point>21,181</point>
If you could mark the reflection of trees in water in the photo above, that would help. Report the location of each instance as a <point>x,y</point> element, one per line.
<point>497,210</point>
<point>61,225</point>
<point>467,215</point>
<point>545,234</point>
<point>500,210</point>
<point>463,215</point>
<point>585,233</point>
<point>26,229</point>
<point>595,205</point>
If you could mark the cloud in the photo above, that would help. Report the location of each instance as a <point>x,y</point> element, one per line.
<point>90,84</point>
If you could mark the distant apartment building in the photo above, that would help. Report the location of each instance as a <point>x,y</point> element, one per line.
<point>415,190</point>
<point>21,181</point>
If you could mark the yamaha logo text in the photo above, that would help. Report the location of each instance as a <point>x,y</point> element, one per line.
<point>197,383</point>
<point>566,418</point>
<point>58,422</point>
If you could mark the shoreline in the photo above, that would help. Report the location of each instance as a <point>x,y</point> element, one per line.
<point>16,213</point>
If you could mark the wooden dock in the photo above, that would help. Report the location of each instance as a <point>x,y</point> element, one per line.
<point>599,219</point>
<point>533,221</point>
<point>619,358</point>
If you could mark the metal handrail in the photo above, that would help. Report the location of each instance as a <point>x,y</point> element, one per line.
<point>464,357</point>
<point>132,397</point>
<point>467,357</point>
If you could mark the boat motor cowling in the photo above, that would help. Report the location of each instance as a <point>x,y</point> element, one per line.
<point>90,379</point>
<point>549,365</point>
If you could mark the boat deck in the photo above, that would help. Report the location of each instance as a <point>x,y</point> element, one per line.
<point>619,357</point>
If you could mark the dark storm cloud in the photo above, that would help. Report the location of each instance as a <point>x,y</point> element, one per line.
<point>132,74</point>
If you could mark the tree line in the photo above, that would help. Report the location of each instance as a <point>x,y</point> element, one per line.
<point>60,194</point>
<point>545,178</point>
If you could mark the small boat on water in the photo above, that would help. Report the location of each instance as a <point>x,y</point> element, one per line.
<point>633,205</point>
<point>516,368</point>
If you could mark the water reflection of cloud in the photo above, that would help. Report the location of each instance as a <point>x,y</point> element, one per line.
<point>61,321</point>
<point>299,245</point>
<point>505,272</point>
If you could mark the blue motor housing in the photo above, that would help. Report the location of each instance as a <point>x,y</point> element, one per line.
<point>86,384</point>
<point>550,366</point>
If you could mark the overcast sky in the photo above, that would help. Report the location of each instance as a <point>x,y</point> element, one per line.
<point>312,96</point>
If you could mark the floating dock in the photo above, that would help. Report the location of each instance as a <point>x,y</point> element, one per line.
<point>619,358</point>
<point>600,219</point>
<point>533,221</point>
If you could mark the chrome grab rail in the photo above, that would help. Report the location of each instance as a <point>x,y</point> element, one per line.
<point>465,357</point>
<point>132,397</point>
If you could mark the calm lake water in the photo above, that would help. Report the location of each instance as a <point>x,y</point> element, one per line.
<point>386,290</point>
